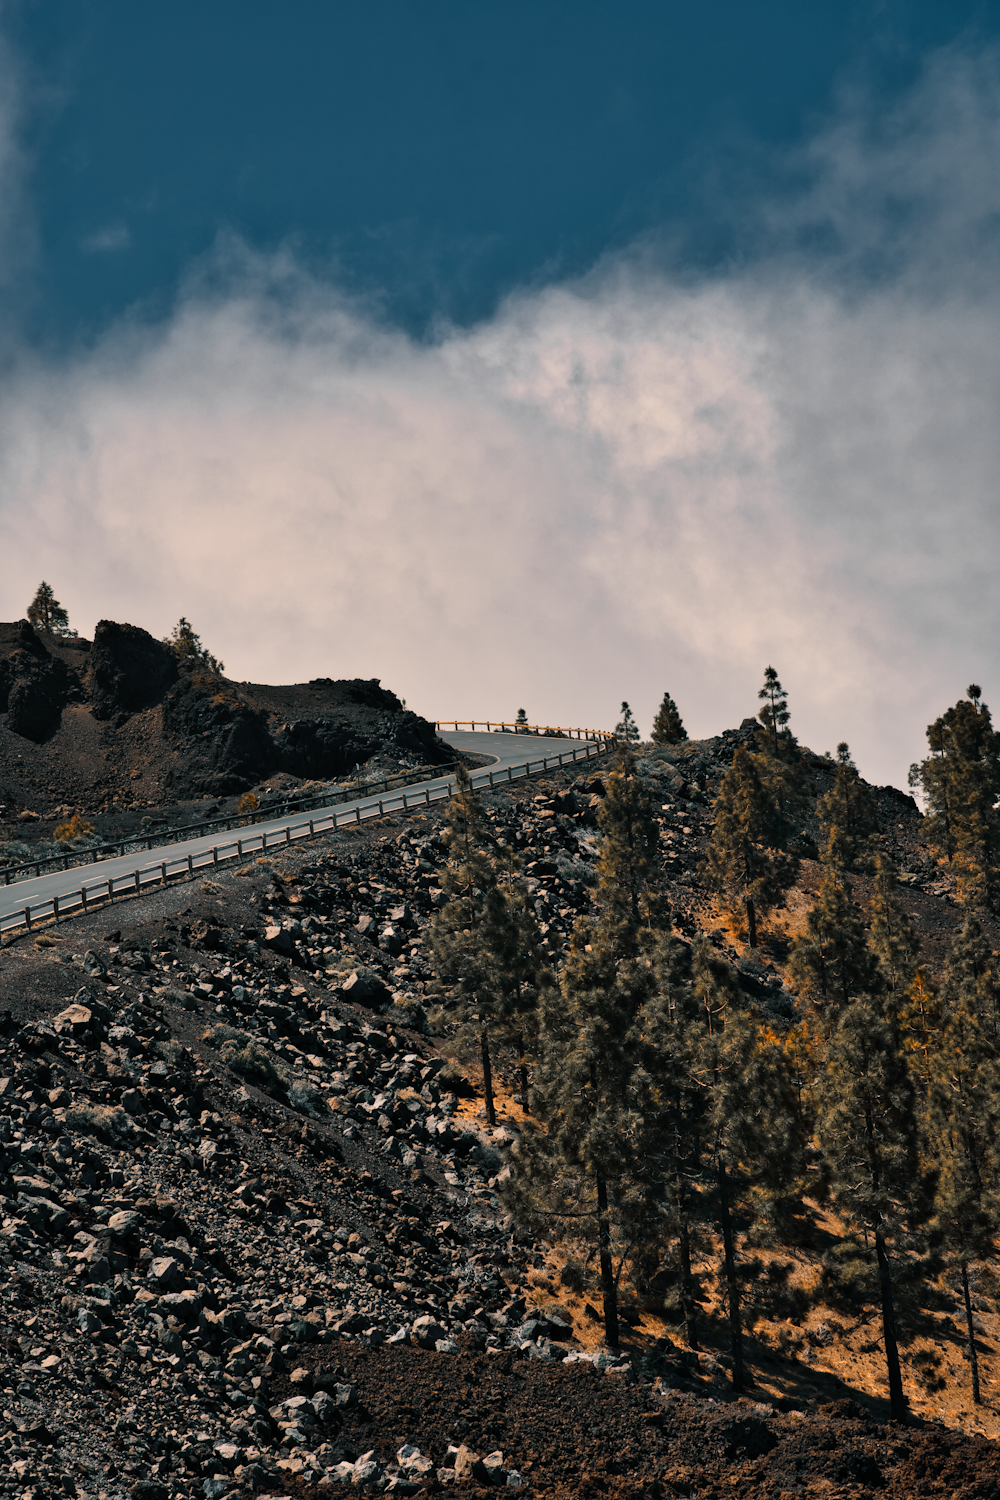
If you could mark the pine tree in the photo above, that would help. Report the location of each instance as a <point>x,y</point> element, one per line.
<point>578,1165</point>
<point>580,1160</point>
<point>751,1129</point>
<point>867,1130</point>
<point>893,939</point>
<point>745,864</point>
<point>962,1141</point>
<point>626,729</point>
<point>774,715</point>
<point>673,1110</point>
<point>521,722</point>
<point>46,613</point>
<point>831,963</point>
<point>667,726</point>
<point>484,940</point>
<point>187,647</point>
<point>630,838</point>
<point>960,780</point>
<point>973,972</point>
<point>847,815</point>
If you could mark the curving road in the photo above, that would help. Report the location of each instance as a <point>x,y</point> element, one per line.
<point>64,892</point>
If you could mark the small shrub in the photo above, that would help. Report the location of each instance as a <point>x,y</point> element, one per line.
<point>180,997</point>
<point>209,888</point>
<point>575,1276</point>
<point>76,827</point>
<point>252,1062</point>
<point>106,1121</point>
<point>219,1034</point>
<point>44,941</point>
<point>248,803</point>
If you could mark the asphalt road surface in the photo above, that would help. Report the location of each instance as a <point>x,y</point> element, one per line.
<point>64,891</point>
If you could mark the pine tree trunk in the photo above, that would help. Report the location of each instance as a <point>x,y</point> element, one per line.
<point>687,1288</point>
<point>491,1114</point>
<point>732,1282</point>
<point>751,922</point>
<point>897,1399</point>
<point>973,1356</point>
<point>608,1287</point>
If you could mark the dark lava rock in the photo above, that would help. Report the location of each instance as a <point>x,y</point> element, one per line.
<point>129,669</point>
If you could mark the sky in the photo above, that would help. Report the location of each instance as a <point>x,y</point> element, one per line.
<point>539,355</point>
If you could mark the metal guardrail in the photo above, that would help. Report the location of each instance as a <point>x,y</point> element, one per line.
<point>118,848</point>
<point>99,893</point>
<point>509,726</point>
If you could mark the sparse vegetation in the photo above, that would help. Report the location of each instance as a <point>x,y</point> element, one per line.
<point>187,647</point>
<point>75,828</point>
<point>46,613</point>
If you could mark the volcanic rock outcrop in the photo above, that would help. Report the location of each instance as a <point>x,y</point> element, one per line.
<point>122,718</point>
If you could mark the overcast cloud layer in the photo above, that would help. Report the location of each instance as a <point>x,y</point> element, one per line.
<point>615,487</point>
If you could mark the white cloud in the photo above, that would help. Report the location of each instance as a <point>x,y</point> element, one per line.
<point>614,487</point>
<point>110,240</point>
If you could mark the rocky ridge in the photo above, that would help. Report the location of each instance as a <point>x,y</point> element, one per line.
<point>121,722</point>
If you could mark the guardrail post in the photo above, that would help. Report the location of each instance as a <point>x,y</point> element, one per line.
<point>27,917</point>
<point>138,887</point>
<point>288,834</point>
<point>83,898</point>
<point>111,891</point>
<point>190,867</point>
<point>215,854</point>
<point>163,873</point>
<point>55,907</point>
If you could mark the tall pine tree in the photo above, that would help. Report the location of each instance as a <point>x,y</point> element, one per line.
<point>867,1130</point>
<point>46,613</point>
<point>960,780</point>
<point>831,963</point>
<point>753,1150</point>
<point>579,1165</point>
<point>668,728</point>
<point>847,815</point>
<point>961,1138</point>
<point>746,864</point>
<point>774,715</point>
<point>484,940</point>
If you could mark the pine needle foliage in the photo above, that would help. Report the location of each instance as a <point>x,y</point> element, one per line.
<point>484,940</point>
<point>187,647</point>
<point>45,612</point>
<point>668,728</point>
<point>832,964</point>
<point>960,780</point>
<point>867,1130</point>
<point>847,816</point>
<point>746,864</point>
<point>629,843</point>
<point>581,1162</point>
<point>893,940</point>
<point>627,730</point>
<point>962,1137</point>
<point>775,714</point>
<point>752,1146</point>
<point>578,1167</point>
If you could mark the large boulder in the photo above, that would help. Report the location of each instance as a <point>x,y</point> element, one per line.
<point>129,669</point>
<point>34,686</point>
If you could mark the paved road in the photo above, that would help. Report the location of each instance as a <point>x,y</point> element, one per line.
<point>145,868</point>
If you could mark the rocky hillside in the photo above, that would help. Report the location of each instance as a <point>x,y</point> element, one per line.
<point>120,722</point>
<point>251,1236</point>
